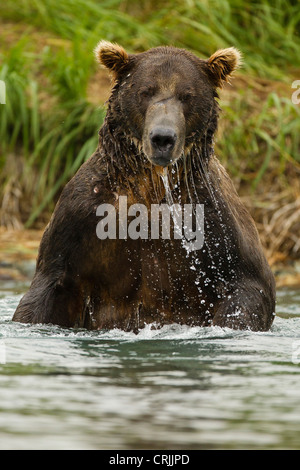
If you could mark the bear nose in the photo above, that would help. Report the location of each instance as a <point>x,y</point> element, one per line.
<point>163,139</point>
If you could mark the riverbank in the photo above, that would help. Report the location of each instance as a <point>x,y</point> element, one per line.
<point>18,252</point>
<point>19,248</point>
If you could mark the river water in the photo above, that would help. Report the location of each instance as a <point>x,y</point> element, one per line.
<point>174,388</point>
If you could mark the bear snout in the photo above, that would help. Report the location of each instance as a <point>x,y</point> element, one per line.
<point>162,139</point>
<point>163,142</point>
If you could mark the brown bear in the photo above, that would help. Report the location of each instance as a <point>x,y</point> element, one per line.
<point>156,150</point>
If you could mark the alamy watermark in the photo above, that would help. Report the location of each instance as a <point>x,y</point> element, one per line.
<point>135,222</point>
<point>296,94</point>
<point>2,352</point>
<point>2,92</point>
<point>296,352</point>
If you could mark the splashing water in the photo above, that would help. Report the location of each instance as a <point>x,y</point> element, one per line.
<point>183,216</point>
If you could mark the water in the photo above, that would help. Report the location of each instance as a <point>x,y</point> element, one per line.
<point>174,388</point>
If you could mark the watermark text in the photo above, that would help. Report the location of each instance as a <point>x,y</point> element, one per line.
<point>2,352</point>
<point>2,92</point>
<point>296,94</point>
<point>296,352</point>
<point>163,221</point>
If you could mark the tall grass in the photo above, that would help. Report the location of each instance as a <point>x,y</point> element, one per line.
<point>49,125</point>
<point>87,19</point>
<point>265,31</point>
<point>259,138</point>
<point>53,140</point>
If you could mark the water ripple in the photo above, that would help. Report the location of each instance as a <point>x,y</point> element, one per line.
<point>174,387</point>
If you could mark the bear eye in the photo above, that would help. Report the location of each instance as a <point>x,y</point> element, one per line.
<point>185,97</point>
<point>147,92</point>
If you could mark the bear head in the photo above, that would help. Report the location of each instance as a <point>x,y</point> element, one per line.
<point>165,98</point>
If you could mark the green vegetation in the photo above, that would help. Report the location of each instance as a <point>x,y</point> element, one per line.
<point>50,121</point>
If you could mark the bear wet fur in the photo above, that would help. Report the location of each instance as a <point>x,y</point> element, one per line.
<point>160,123</point>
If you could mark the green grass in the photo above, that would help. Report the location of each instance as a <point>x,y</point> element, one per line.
<point>49,125</point>
<point>259,136</point>
<point>266,31</point>
<point>53,144</point>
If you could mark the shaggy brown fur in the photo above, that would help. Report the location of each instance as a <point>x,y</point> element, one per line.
<point>155,146</point>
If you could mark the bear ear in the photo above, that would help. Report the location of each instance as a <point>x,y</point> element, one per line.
<point>222,63</point>
<point>112,56</point>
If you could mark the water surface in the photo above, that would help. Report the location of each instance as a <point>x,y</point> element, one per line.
<point>174,388</point>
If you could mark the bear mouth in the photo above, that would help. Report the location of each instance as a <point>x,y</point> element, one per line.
<point>163,160</point>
